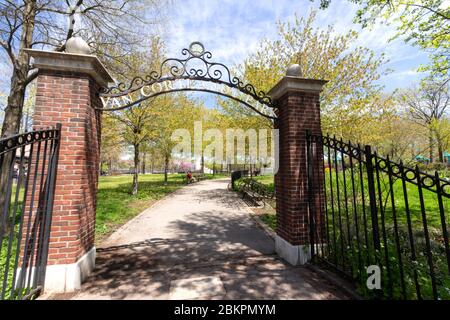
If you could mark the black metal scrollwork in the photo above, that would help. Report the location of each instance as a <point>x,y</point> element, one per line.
<point>197,66</point>
<point>397,170</point>
<point>21,140</point>
<point>340,146</point>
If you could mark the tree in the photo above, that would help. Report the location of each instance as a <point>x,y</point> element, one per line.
<point>442,132</point>
<point>31,24</point>
<point>28,108</point>
<point>28,24</point>
<point>135,130</point>
<point>3,98</point>
<point>173,112</point>
<point>425,24</point>
<point>112,142</point>
<point>428,106</point>
<point>136,124</point>
<point>351,72</point>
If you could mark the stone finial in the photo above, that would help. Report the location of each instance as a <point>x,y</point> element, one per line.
<point>294,70</point>
<point>78,46</point>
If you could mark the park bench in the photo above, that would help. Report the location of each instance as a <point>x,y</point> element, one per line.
<point>196,177</point>
<point>254,191</point>
<point>199,176</point>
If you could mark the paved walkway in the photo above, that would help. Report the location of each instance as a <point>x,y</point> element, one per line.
<point>198,243</point>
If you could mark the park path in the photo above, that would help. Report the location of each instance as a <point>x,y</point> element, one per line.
<point>198,243</point>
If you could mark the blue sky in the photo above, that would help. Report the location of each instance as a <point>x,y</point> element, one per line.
<point>232,29</point>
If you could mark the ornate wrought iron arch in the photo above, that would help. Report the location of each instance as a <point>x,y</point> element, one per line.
<point>195,66</point>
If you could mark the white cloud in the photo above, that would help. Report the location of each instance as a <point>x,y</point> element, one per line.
<point>232,30</point>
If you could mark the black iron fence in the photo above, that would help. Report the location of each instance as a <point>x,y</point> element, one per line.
<point>236,175</point>
<point>27,183</point>
<point>378,214</point>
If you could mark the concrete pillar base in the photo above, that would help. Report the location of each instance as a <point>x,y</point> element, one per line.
<point>294,255</point>
<point>69,277</point>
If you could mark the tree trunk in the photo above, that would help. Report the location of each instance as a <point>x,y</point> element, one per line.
<point>136,169</point>
<point>202,166</point>
<point>166,168</point>
<point>440,146</point>
<point>21,67</point>
<point>441,152</point>
<point>430,142</point>
<point>16,98</point>
<point>143,162</point>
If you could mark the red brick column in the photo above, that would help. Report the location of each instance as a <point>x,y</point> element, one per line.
<point>67,94</point>
<point>298,105</point>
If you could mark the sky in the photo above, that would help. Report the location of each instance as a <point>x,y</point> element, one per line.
<point>232,30</point>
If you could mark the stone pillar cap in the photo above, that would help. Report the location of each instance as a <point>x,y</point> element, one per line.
<point>71,62</point>
<point>295,84</point>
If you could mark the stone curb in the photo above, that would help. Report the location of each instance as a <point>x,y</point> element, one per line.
<point>336,281</point>
<point>263,226</point>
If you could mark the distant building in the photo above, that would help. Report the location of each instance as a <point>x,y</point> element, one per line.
<point>446,157</point>
<point>422,159</point>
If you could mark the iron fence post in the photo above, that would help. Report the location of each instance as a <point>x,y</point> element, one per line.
<point>32,174</point>
<point>311,204</point>
<point>53,166</point>
<point>372,198</point>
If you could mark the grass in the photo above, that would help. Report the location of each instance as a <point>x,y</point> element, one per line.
<point>270,219</point>
<point>345,250</point>
<point>267,213</point>
<point>430,200</point>
<point>395,255</point>
<point>268,180</point>
<point>115,205</point>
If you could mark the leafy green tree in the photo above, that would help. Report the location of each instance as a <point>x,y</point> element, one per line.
<point>428,105</point>
<point>35,24</point>
<point>136,124</point>
<point>135,130</point>
<point>351,71</point>
<point>112,143</point>
<point>424,23</point>
<point>174,112</point>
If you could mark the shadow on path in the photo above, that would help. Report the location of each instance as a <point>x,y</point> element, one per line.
<point>209,234</point>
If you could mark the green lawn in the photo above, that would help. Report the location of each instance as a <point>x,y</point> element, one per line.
<point>267,213</point>
<point>115,205</point>
<point>430,199</point>
<point>9,244</point>
<point>270,219</point>
<point>267,180</point>
<point>345,249</point>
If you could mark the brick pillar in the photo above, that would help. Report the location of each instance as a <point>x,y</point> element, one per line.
<point>67,88</point>
<point>298,105</point>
